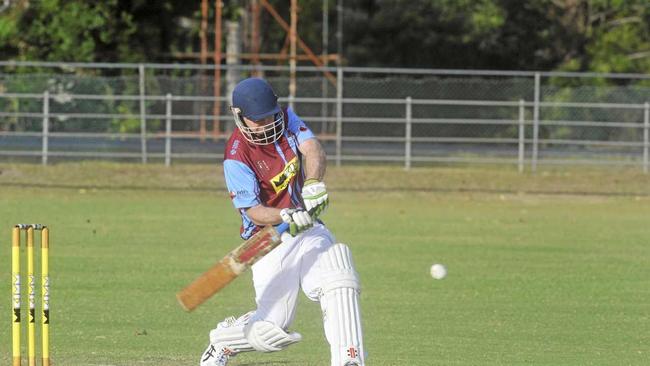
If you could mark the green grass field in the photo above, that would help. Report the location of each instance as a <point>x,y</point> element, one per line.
<point>546,269</point>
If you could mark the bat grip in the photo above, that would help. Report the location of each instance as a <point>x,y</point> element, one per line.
<point>282,227</point>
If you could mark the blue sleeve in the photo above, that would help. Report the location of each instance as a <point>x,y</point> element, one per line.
<point>298,127</point>
<point>242,184</point>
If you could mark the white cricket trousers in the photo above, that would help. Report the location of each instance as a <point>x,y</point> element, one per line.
<point>291,266</point>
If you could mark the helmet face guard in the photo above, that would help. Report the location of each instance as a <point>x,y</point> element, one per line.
<point>255,100</point>
<point>263,135</point>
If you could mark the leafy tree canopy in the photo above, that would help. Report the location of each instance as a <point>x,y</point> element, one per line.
<point>576,35</point>
<point>59,30</point>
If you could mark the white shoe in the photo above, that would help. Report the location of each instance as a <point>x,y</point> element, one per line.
<point>215,355</point>
<point>349,363</point>
<point>218,354</point>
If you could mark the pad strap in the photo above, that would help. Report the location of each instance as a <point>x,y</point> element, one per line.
<point>265,336</point>
<point>240,335</point>
<point>231,337</point>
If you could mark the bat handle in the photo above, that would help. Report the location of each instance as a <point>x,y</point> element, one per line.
<point>282,228</point>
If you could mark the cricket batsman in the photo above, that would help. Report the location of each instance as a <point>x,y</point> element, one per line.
<point>274,168</point>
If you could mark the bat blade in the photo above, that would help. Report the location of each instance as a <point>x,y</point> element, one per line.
<point>206,285</point>
<point>230,267</point>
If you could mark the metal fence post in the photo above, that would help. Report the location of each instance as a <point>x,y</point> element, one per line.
<point>339,114</point>
<point>646,133</point>
<point>143,112</point>
<point>522,135</point>
<point>407,140</point>
<point>536,123</point>
<point>46,126</point>
<point>168,129</point>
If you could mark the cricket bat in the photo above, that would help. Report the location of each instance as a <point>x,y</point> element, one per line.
<point>230,267</point>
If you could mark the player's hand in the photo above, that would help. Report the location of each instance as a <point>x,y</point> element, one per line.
<point>314,194</point>
<point>298,219</point>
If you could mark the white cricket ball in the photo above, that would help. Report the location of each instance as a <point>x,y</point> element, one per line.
<point>438,271</point>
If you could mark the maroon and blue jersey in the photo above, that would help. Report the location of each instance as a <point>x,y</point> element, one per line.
<point>270,175</point>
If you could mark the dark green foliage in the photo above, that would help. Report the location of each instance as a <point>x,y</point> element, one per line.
<point>576,35</point>
<point>598,35</point>
<point>60,30</point>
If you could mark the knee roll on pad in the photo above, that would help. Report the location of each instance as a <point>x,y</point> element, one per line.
<point>265,336</point>
<point>339,269</point>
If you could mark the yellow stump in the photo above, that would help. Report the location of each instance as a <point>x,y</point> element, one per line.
<point>15,294</point>
<point>31,284</point>
<point>31,293</point>
<point>45,293</point>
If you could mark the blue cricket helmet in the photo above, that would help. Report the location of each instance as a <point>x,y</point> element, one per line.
<point>254,99</point>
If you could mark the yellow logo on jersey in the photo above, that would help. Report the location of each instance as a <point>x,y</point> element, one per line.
<point>281,181</point>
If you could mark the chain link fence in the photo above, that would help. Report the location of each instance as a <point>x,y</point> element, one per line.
<point>160,112</point>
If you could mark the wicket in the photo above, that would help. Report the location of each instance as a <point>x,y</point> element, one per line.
<point>16,294</point>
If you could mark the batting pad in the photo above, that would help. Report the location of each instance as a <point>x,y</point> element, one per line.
<point>340,306</point>
<point>265,336</point>
<point>231,337</point>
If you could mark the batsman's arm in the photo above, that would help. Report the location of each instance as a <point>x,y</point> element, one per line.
<point>264,215</point>
<point>315,159</point>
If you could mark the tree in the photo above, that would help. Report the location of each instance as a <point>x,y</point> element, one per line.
<point>575,35</point>
<point>580,35</point>
<point>60,30</point>
<point>617,37</point>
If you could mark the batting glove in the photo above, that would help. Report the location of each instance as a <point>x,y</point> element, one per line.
<point>297,218</point>
<point>315,197</point>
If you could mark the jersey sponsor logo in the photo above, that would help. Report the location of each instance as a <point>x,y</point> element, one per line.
<point>234,194</point>
<point>262,165</point>
<point>282,180</point>
<point>302,128</point>
<point>234,147</point>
